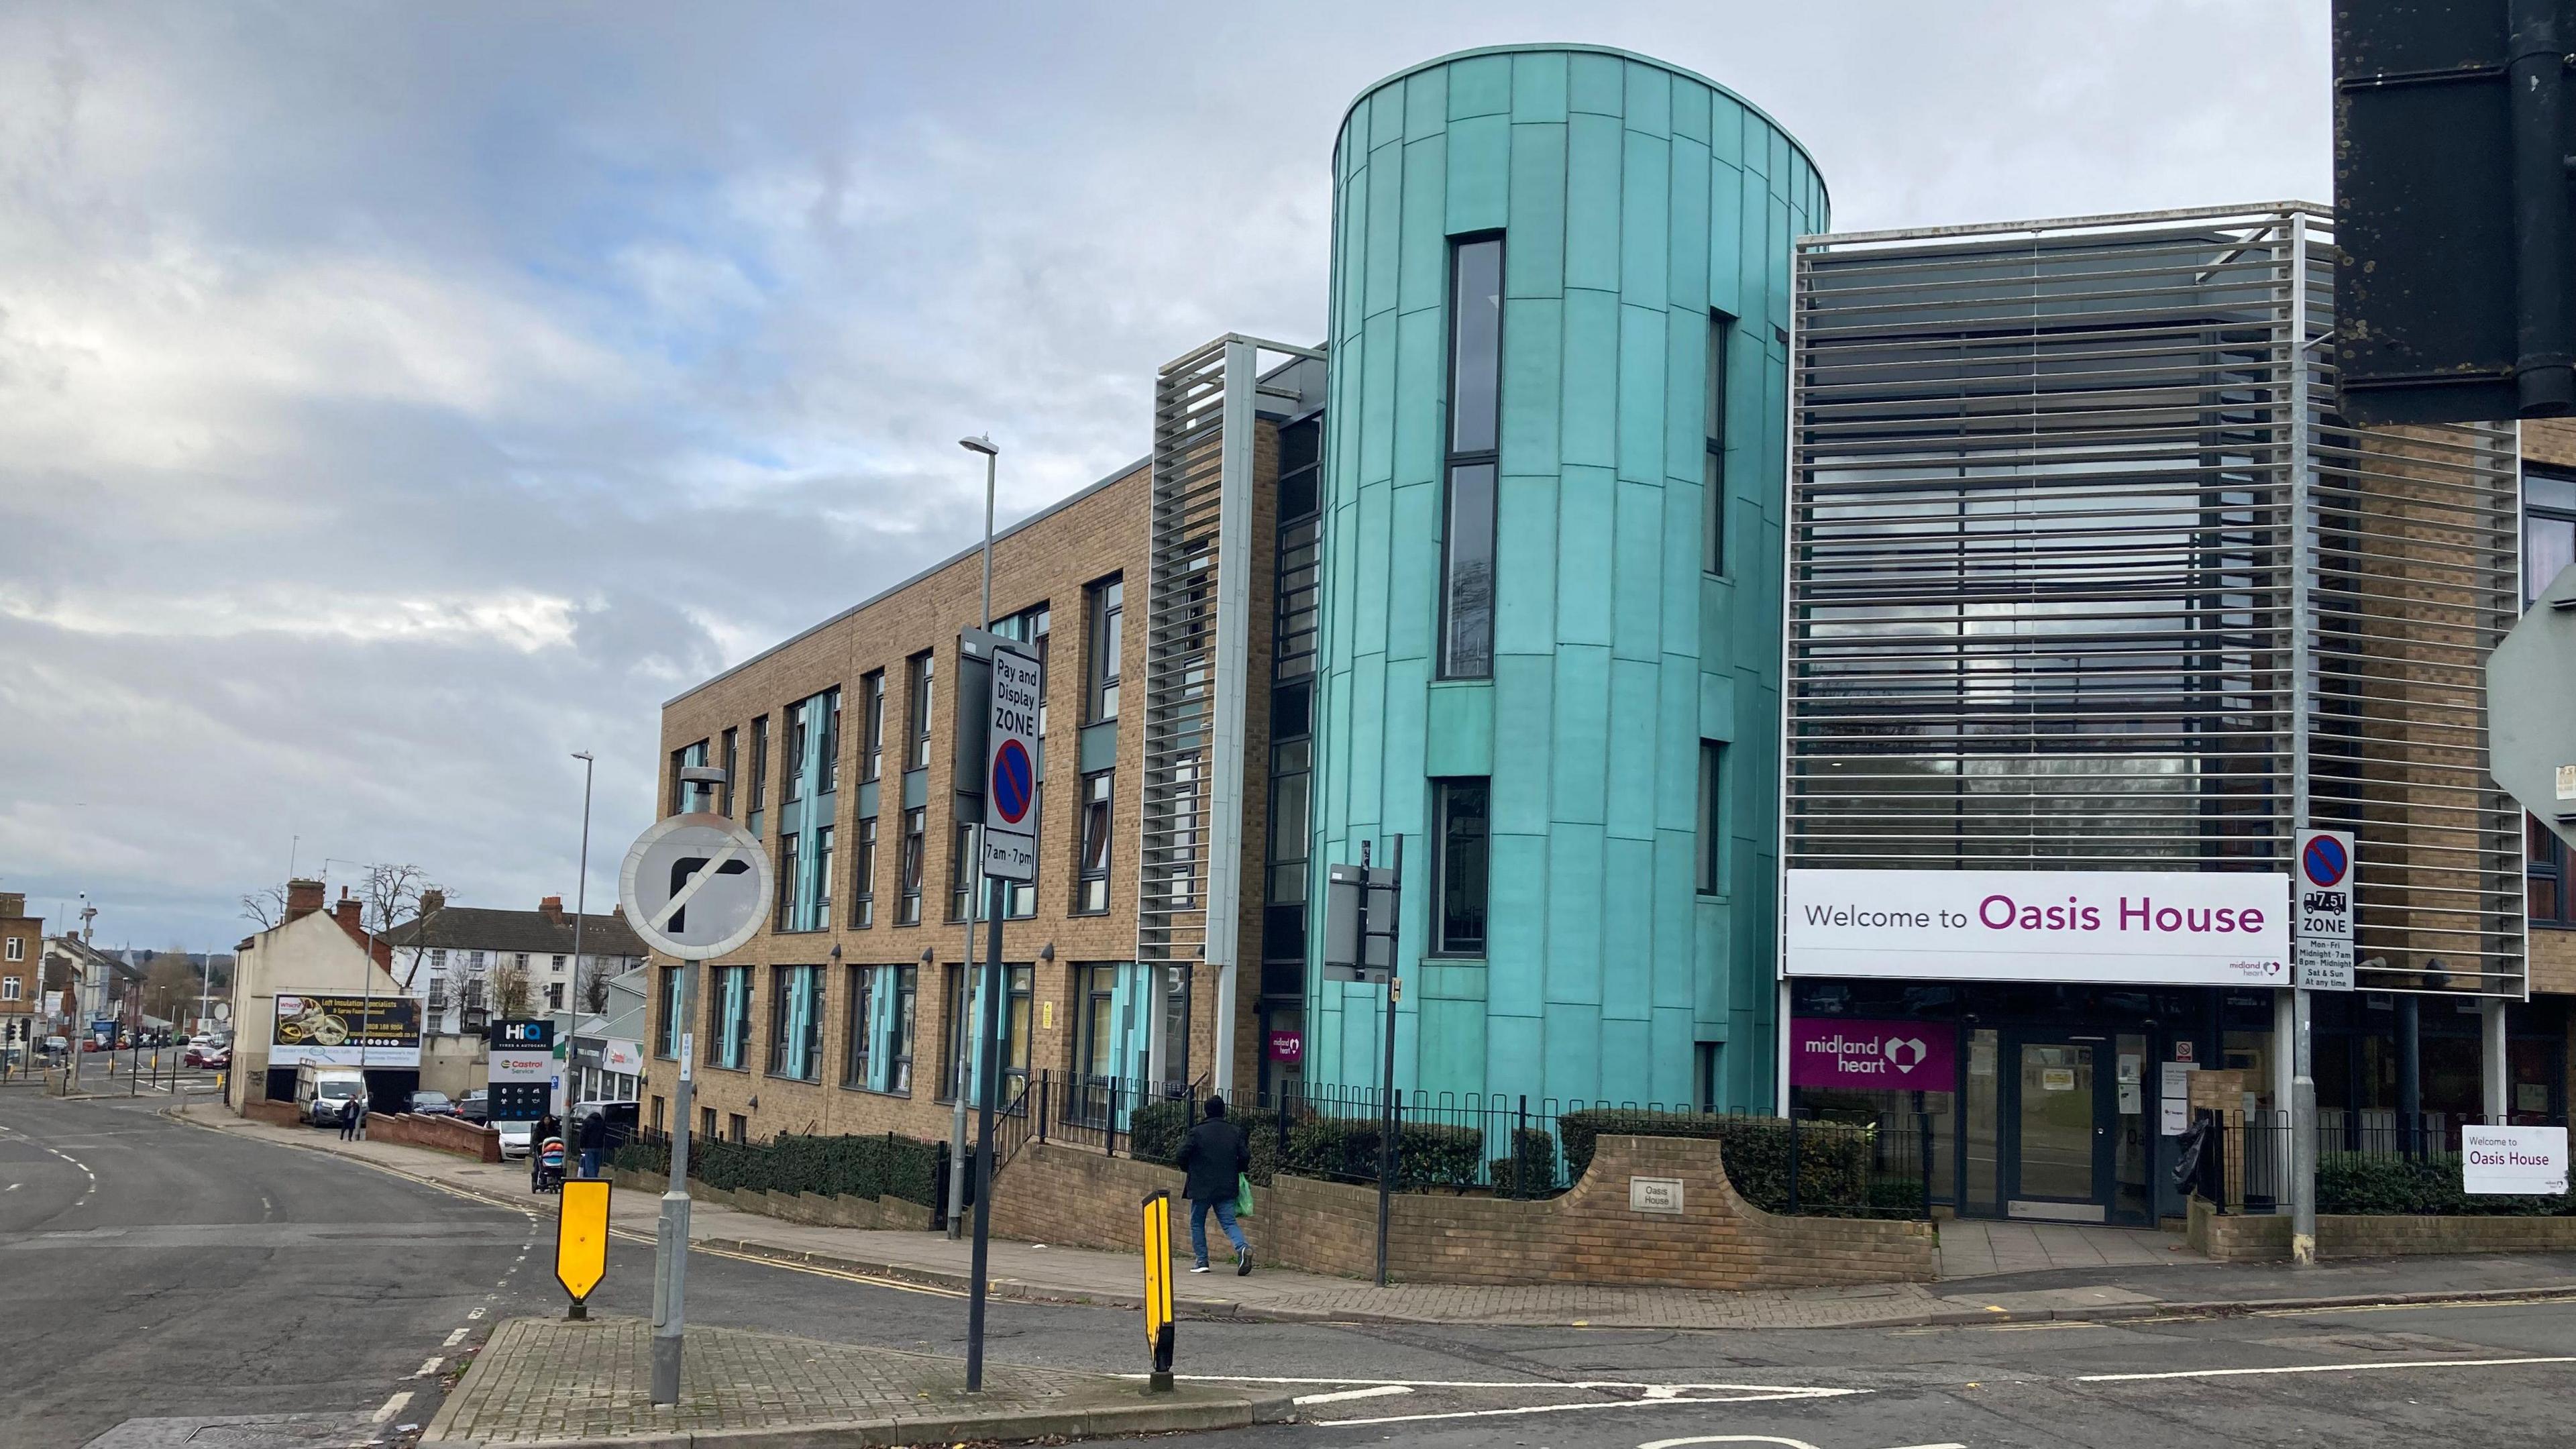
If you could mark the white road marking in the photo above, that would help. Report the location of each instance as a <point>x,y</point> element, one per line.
<point>1727,1439</point>
<point>428,1366</point>
<point>2322,1368</point>
<point>390,1407</point>
<point>1649,1395</point>
<point>456,1338</point>
<point>475,1312</point>
<point>1380,1392</point>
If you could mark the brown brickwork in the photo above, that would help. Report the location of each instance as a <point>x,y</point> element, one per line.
<point>438,1133</point>
<point>1057,1194</point>
<point>2265,1237</point>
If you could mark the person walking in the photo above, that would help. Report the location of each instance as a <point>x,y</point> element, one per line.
<point>353,1118</point>
<point>1214,1158</point>
<point>594,1141</point>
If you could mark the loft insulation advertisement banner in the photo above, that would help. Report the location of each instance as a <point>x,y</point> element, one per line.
<point>346,1031</point>
<point>2149,928</point>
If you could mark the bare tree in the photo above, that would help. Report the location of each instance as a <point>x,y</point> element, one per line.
<point>172,986</point>
<point>596,973</point>
<point>509,991</point>
<point>265,908</point>
<point>398,893</point>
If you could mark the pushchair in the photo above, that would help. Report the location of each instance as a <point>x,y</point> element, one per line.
<point>550,1164</point>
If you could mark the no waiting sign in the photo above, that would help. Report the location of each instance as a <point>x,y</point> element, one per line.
<point>2321,900</point>
<point>1010,767</point>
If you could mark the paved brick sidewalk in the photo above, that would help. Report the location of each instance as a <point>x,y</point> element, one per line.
<point>547,1381</point>
<point>1036,1271</point>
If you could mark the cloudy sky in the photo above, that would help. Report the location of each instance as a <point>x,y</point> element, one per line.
<point>396,399</point>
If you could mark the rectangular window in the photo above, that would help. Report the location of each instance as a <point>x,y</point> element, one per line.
<point>2548,529</point>
<point>1106,604</point>
<point>908,908</point>
<point>438,962</point>
<point>819,917</point>
<point>831,760</point>
<point>1721,336</point>
<point>557,965</point>
<point>2545,877</point>
<point>920,677</point>
<point>1031,626</point>
<point>759,764</point>
<point>863,876</point>
<point>554,996</point>
<point>1709,868</point>
<point>892,992</point>
<point>1291,775</point>
<point>521,961</point>
<point>1015,1030</point>
<point>961,873</point>
<point>677,802</point>
<point>674,1017</point>
<point>707,1123</point>
<point>18,948</point>
<point>800,722</point>
<point>854,1026</point>
<point>795,1022</point>
<point>1467,516</point>
<point>10,986</point>
<point>732,739</point>
<point>1098,1067</point>
<point>788,843</point>
<point>731,1021</point>
<point>872,725</point>
<point>738,1126</point>
<point>1091,888</point>
<point>1458,867</point>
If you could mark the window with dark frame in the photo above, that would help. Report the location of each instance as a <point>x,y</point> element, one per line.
<point>1460,847</point>
<point>871,725</point>
<point>1709,867</point>
<point>1020,981</point>
<point>854,1027</point>
<point>863,875</point>
<point>1092,848</point>
<point>791,786</point>
<point>2548,528</point>
<point>732,737</point>
<point>2545,881</point>
<point>732,1004</point>
<point>908,906</point>
<point>759,772</point>
<point>1105,604</point>
<point>1721,337</point>
<point>1467,513</point>
<point>831,757</point>
<point>674,1015</point>
<point>920,674</point>
<point>1032,626</point>
<point>795,1022</point>
<point>819,916</point>
<point>962,876</point>
<point>788,844</point>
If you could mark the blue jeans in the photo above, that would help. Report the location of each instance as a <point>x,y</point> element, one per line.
<point>590,1162</point>
<point>1224,1208</point>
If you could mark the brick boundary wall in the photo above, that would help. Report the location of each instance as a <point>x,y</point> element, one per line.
<point>2265,1237</point>
<point>439,1133</point>
<point>1055,1194</point>
<point>802,1207</point>
<point>283,1114</point>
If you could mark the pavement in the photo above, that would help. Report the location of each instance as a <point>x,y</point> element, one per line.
<point>2011,1272</point>
<point>566,1384</point>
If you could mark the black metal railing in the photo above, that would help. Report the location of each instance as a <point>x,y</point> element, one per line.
<point>2242,1163</point>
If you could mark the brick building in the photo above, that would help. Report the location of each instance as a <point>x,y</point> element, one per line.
<point>22,950</point>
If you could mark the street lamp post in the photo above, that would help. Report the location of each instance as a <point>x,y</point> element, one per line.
<point>983,444</point>
<point>581,885</point>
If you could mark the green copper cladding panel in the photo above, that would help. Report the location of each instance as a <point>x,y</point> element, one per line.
<point>1632,199</point>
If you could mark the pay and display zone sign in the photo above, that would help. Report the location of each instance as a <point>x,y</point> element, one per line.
<point>1010,767</point>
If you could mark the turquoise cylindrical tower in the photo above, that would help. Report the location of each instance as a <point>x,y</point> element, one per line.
<point>1551,573</point>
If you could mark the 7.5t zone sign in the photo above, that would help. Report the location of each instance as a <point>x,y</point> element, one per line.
<point>1010,767</point>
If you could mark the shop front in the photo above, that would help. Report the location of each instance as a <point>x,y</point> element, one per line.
<point>2046,1029</point>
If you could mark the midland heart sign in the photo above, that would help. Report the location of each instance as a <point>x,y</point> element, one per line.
<point>1873,1055</point>
<point>2159,928</point>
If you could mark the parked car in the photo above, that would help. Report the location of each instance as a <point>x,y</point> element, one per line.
<point>218,1058</point>
<point>433,1104</point>
<point>514,1138</point>
<point>475,1106</point>
<point>203,1048</point>
<point>325,1094</point>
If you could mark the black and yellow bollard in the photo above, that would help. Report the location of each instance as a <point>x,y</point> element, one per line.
<point>581,1240</point>
<point>1158,1289</point>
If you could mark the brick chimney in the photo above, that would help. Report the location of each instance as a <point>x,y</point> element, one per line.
<point>303,898</point>
<point>552,909</point>
<point>432,902</point>
<point>346,909</point>
<point>13,905</point>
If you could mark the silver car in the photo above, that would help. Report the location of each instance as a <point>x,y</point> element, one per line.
<point>515,1137</point>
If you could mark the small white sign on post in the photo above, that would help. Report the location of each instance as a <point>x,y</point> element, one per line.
<point>2516,1160</point>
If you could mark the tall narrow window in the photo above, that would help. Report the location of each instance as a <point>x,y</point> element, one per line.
<point>674,1013</point>
<point>1031,627</point>
<point>1091,889</point>
<point>818,917</point>
<point>1721,335</point>
<point>962,874</point>
<point>732,737</point>
<point>1712,817</point>
<point>831,741</point>
<point>854,1027</point>
<point>919,674</point>
<point>1459,867</point>
<point>1467,519</point>
<point>800,719</point>
<point>908,910</point>
<point>863,875</point>
<point>759,773</point>
<point>1108,608</point>
<point>872,725</point>
<point>787,875</point>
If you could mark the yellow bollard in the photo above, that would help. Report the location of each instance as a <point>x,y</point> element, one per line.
<point>581,1240</point>
<point>1158,1289</point>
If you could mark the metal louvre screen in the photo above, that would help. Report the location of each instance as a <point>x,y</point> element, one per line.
<point>2082,568</point>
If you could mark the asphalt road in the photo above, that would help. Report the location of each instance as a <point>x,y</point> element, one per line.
<point>158,1274</point>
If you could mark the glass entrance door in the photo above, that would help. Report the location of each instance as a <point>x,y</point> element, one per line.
<point>2057,1126</point>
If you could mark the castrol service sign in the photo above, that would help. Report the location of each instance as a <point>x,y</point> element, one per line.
<point>2149,928</point>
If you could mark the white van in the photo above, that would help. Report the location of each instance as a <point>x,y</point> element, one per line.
<point>323,1094</point>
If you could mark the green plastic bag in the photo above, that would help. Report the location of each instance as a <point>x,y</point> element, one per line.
<point>1242,1195</point>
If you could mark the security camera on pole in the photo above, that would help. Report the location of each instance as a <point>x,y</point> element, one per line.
<point>694,887</point>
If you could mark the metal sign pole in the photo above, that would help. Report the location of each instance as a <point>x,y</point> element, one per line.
<point>988,1070</point>
<point>1388,1126</point>
<point>671,1233</point>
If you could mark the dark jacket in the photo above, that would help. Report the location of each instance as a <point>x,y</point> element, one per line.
<point>594,1132</point>
<point>1214,1153</point>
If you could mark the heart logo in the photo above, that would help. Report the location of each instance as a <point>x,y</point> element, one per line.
<point>1905,1054</point>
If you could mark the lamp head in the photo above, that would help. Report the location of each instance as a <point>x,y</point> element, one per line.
<point>981,443</point>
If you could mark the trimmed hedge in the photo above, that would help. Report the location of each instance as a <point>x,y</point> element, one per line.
<point>865,1167</point>
<point>1833,1158</point>
<point>2377,1184</point>
<point>1429,1154</point>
